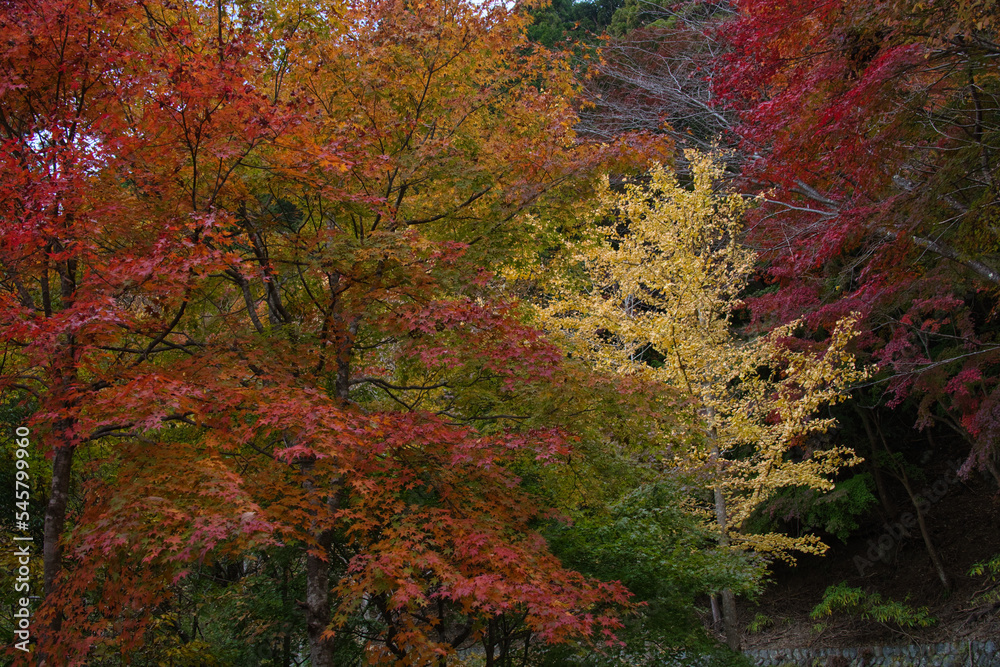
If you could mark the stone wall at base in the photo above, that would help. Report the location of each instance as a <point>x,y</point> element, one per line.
<point>951,654</point>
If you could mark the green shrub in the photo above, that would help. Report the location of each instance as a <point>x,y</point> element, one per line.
<point>871,606</point>
<point>760,623</point>
<point>991,570</point>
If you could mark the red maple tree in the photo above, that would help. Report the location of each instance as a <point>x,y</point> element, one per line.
<point>245,267</point>
<point>872,130</point>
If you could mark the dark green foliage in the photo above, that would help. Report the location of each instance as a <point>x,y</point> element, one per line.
<point>667,557</point>
<point>15,413</point>
<point>760,623</point>
<point>236,612</point>
<point>574,21</point>
<point>803,510</point>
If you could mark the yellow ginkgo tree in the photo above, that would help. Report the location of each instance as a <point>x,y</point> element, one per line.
<point>659,287</point>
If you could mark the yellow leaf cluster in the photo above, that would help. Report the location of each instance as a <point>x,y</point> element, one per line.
<point>658,290</point>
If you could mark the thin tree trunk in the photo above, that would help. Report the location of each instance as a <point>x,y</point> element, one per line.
<point>721,518</point>
<point>318,566</point>
<point>55,521</point>
<point>728,599</point>
<point>489,643</point>
<point>932,551</point>
<point>62,460</point>
<point>729,618</point>
<point>888,506</point>
<point>891,510</point>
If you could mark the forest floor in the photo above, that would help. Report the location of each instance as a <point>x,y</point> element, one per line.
<point>965,526</point>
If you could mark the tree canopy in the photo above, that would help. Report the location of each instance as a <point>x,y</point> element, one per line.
<point>445,332</point>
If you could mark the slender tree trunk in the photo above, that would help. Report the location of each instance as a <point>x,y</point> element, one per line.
<point>729,619</point>
<point>932,551</point>
<point>55,514</point>
<point>887,503</point>
<point>318,566</point>
<point>728,599</point>
<point>888,506</point>
<point>721,517</point>
<point>64,446</point>
<point>489,643</point>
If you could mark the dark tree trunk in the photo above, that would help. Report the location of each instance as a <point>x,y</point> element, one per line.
<point>729,619</point>
<point>888,506</point>
<point>55,514</point>
<point>932,551</point>
<point>318,607</point>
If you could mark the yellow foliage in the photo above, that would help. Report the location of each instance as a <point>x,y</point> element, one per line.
<point>658,294</point>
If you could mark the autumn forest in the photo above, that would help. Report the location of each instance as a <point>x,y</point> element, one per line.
<point>496,333</point>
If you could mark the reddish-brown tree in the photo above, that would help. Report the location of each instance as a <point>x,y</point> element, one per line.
<point>276,321</point>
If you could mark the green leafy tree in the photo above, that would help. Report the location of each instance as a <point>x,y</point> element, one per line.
<point>572,20</point>
<point>660,544</point>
